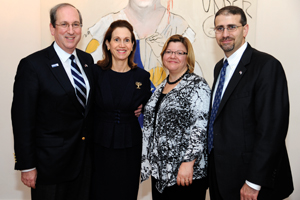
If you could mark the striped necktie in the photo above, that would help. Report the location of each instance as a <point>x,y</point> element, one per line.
<point>80,88</point>
<point>215,107</point>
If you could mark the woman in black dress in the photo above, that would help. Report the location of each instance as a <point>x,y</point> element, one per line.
<point>121,87</point>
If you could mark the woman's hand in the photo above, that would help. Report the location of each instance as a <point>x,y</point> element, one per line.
<point>138,111</point>
<point>185,173</point>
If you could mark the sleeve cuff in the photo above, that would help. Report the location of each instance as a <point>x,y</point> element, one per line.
<point>27,170</point>
<point>253,186</point>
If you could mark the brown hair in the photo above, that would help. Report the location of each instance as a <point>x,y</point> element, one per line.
<point>106,62</point>
<point>190,52</point>
<point>233,10</point>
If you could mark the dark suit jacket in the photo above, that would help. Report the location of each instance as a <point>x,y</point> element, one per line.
<point>49,128</point>
<point>250,128</point>
<point>116,126</point>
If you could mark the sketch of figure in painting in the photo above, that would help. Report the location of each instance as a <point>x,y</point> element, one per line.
<point>210,8</point>
<point>153,24</point>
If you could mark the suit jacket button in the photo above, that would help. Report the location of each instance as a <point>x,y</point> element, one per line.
<point>83,138</point>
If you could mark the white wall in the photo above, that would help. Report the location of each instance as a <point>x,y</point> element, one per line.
<point>20,35</point>
<point>277,32</point>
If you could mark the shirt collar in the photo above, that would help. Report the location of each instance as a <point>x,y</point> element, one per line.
<point>235,58</point>
<point>63,56</point>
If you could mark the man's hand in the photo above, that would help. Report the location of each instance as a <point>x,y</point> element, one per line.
<point>29,178</point>
<point>138,111</point>
<point>185,173</point>
<point>248,193</point>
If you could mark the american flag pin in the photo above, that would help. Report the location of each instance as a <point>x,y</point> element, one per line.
<point>85,65</point>
<point>241,72</point>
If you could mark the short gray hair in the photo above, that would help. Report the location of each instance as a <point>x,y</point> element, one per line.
<point>54,10</point>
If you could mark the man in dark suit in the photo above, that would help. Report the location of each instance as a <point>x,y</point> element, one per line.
<point>249,118</point>
<point>50,113</point>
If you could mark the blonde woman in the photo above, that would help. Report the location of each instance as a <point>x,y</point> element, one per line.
<point>174,134</point>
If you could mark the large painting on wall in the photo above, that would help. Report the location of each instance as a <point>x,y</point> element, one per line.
<point>154,21</point>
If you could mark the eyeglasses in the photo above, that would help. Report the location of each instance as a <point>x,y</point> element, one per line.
<point>66,25</point>
<point>177,53</point>
<point>230,28</point>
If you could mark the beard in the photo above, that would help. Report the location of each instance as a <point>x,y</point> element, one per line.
<point>227,47</point>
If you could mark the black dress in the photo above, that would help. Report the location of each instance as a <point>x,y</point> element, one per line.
<point>117,133</point>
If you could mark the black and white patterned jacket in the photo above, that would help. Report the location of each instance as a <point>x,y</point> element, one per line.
<point>180,131</point>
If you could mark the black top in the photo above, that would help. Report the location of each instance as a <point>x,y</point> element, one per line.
<point>118,84</point>
<point>160,98</point>
<point>117,96</point>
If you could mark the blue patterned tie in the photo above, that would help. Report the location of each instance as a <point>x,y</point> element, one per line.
<point>215,107</point>
<point>80,87</point>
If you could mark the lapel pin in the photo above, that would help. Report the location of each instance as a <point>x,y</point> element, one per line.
<point>55,65</point>
<point>85,65</point>
<point>138,84</point>
<point>241,72</point>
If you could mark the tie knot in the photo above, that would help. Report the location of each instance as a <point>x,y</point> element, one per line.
<point>225,64</point>
<point>72,57</point>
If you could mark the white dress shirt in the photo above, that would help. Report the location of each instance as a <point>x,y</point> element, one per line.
<point>233,61</point>
<point>66,61</point>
